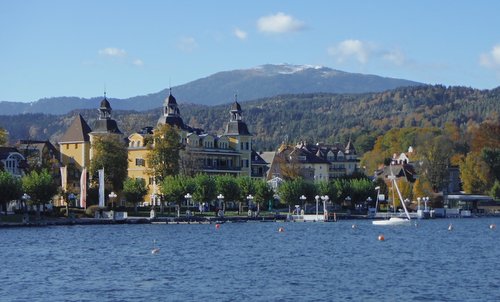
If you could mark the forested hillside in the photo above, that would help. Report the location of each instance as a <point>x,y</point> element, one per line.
<point>311,117</point>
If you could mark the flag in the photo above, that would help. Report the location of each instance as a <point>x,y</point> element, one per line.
<point>101,188</point>
<point>83,189</point>
<point>64,178</point>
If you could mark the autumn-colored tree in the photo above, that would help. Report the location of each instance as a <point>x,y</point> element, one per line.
<point>487,135</point>
<point>164,152</point>
<point>475,174</point>
<point>4,135</point>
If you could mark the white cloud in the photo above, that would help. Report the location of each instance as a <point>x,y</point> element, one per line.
<point>187,44</point>
<point>138,62</point>
<point>112,52</point>
<point>396,57</point>
<point>279,23</point>
<point>240,34</point>
<point>345,50</point>
<point>491,59</point>
<point>362,52</point>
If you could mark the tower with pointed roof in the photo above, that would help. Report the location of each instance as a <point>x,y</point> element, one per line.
<point>171,113</point>
<point>239,137</point>
<point>105,125</point>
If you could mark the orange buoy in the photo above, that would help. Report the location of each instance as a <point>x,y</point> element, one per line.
<point>381,237</point>
<point>281,229</point>
<point>492,226</point>
<point>217,226</point>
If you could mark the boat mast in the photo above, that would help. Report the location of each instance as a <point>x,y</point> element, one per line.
<point>395,184</point>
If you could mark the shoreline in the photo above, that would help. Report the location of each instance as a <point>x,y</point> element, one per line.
<point>183,220</point>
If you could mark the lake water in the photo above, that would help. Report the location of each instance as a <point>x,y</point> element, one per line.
<point>253,262</point>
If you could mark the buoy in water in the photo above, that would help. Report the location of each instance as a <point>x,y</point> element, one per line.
<point>381,237</point>
<point>217,226</point>
<point>450,227</point>
<point>353,226</point>
<point>281,229</point>
<point>493,226</point>
<point>155,250</point>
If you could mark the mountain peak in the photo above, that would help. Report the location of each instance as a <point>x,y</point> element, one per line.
<point>254,83</point>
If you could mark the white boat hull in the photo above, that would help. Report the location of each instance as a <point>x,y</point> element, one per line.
<point>392,221</point>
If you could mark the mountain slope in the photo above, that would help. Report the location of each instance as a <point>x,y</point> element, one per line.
<point>312,117</point>
<point>219,88</point>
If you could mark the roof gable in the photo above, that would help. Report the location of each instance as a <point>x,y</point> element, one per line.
<point>78,131</point>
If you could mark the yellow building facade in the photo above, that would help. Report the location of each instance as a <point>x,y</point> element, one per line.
<point>228,153</point>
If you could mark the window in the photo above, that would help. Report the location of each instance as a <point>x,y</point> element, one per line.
<point>140,162</point>
<point>248,146</point>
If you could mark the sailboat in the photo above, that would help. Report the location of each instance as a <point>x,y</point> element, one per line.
<point>395,220</point>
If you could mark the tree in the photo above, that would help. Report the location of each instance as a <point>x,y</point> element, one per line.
<point>134,190</point>
<point>164,152</point>
<point>228,187</point>
<point>495,190</point>
<point>436,158</point>
<point>475,174</point>
<point>205,190</point>
<point>174,188</point>
<point>290,191</point>
<point>246,187</point>
<point>491,156</point>
<point>10,187</point>
<point>4,136</point>
<point>40,187</point>
<point>263,193</point>
<point>111,154</point>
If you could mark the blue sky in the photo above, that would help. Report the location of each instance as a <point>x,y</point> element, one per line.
<point>79,48</point>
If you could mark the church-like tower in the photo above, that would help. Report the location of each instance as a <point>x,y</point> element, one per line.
<point>239,137</point>
<point>104,125</point>
<point>171,114</point>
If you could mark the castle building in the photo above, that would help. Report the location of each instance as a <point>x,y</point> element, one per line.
<point>315,162</point>
<point>229,153</point>
<point>75,146</point>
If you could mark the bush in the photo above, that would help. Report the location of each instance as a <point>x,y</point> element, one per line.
<point>90,211</point>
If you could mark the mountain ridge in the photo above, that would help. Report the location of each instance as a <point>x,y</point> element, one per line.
<point>253,83</point>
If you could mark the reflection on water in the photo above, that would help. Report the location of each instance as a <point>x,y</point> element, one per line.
<point>253,262</point>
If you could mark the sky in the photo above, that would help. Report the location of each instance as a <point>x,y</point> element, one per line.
<point>82,48</point>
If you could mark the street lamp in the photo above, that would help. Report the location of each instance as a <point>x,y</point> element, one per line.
<point>112,196</point>
<point>302,199</point>
<point>188,199</point>
<point>317,204</point>
<point>426,200</point>
<point>418,204</point>
<point>249,198</point>
<point>325,199</point>
<point>220,197</point>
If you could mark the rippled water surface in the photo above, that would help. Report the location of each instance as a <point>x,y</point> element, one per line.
<point>253,262</point>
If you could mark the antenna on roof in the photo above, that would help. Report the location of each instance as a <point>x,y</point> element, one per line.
<point>104,90</point>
